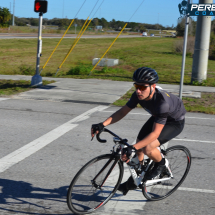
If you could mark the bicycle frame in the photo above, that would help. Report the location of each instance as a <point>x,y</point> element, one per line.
<point>138,178</point>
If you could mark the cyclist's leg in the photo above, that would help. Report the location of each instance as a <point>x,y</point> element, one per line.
<point>152,151</point>
<point>144,131</point>
<point>170,130</point>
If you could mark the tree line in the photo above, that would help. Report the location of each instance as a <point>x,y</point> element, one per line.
<point>6,20</point>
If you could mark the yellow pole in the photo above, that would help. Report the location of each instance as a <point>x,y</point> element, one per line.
<point>80,32</point>
<point>57,45</point>
<point>108,48</point>
<point>73,46</point>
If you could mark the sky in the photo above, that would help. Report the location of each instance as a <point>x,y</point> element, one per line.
<point>164,12</point>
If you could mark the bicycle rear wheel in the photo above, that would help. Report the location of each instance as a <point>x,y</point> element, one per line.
<point>179,158</point>
<point>95,184</point>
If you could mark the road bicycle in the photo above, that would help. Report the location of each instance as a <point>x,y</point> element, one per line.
<point>98,180</point>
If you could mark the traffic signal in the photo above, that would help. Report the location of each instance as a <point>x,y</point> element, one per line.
<point>40,6</point>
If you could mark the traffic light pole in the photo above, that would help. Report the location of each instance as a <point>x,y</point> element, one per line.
<point>37,79</point>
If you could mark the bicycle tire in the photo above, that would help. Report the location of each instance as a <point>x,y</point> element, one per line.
<point>179,158</point>
<point>83,195</point>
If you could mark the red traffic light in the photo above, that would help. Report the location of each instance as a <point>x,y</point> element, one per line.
<point>40,6</point>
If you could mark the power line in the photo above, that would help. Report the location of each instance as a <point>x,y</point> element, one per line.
<point>136,11</point>
<point>98,8</point>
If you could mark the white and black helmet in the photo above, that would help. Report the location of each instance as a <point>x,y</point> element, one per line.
<point>145,75</point>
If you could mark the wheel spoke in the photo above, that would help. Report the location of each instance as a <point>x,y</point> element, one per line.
<point>178,157</point>
<point>94,184</point>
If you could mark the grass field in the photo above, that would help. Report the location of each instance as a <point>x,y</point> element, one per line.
<point>18,56</point>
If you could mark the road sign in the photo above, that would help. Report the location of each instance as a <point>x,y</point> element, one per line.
<point>40,6</point>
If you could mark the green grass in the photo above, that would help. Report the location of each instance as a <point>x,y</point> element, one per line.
<point>11,87</point>
<point>153,52</point>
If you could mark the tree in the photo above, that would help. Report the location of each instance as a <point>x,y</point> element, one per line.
<point>95,21</point>
<point>181,27</point>
<point>103,22</point>
<point>5,17</point>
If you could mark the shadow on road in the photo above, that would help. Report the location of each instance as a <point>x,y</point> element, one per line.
<point>22,198</point>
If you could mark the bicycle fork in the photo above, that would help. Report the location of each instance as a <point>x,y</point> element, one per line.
<point>108,173</point>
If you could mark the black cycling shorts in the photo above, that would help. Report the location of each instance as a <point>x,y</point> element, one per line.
<point>170,130</point>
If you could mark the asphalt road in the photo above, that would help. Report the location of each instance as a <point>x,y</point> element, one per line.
<point>45,142</point>
<point>27,36</point>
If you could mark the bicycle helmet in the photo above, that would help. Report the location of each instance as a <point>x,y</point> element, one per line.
<point>145,75</point>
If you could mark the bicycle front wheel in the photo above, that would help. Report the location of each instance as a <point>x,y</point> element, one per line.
<point>94,184</point>
<point>179,158</point>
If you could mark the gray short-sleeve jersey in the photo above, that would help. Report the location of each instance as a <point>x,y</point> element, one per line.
<point>164,106</point>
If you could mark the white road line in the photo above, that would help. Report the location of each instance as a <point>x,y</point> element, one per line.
<point>196,190</point>
<point>2,99</point>
<point>199,118</point>
<point>188,140</point>
<point>34,146</point>
<point>190,189</point>
<point>146,114</point>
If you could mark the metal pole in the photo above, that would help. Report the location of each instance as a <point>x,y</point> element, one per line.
<point>13,10</point>
<point>37,79</point>
<point>184,54</point>
<point>63,10</point>
<point>202,41</point>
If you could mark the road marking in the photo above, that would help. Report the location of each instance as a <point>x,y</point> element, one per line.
<point>146,114</point>
<point>188,140</point>
<point>190,189</point>
<point>34,146</point>
<point>2,99</point>
<point>199,118</point>
<point>196,190</point>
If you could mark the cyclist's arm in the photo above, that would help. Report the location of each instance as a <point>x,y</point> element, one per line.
<point>118,115</point>
<point>157,128</point>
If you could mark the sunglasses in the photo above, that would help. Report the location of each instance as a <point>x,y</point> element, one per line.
<point>140,87</point>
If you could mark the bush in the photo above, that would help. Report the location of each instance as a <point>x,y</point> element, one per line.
<point>196,83</point>
<point>178,46</point>
<point>80,70</point>
<point>26,70</point>
<point>212,47</point>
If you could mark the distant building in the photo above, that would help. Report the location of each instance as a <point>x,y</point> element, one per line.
<point>99,27</point>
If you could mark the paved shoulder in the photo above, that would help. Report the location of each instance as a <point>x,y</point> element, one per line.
<point>92,91</point>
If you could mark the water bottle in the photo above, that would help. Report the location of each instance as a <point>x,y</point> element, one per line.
<point>134,162</point>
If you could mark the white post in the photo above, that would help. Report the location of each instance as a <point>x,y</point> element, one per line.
<point>184,53</point>
<point>13,11</point>
<point>37,79</point>
<point>202,41</point>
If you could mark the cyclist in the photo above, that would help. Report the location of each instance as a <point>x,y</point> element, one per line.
<point>166,122</point>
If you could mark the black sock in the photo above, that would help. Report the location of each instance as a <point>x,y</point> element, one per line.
<point>162,162</point>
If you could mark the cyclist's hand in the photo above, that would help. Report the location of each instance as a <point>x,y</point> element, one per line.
<point>96,128</point>
<point>128,153</point>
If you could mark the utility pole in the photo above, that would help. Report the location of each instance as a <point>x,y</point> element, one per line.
<point>13,11</point>
<point>184,53</point>
<point>200,57</point>
<point>63,10</point>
